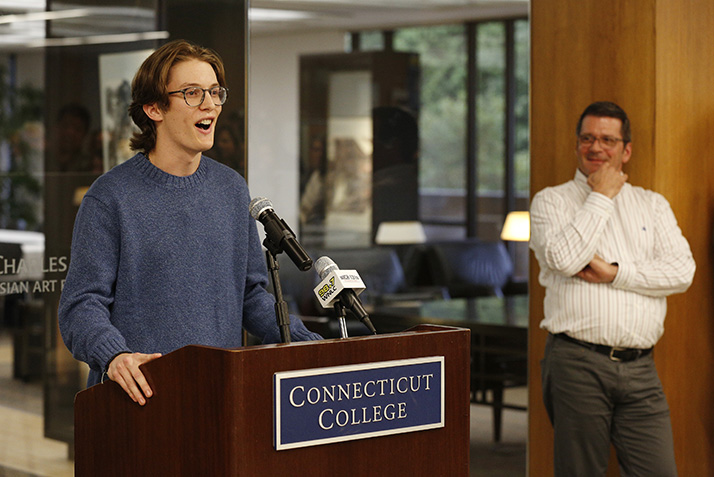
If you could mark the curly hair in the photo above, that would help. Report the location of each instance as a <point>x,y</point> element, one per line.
<point>150,85</point>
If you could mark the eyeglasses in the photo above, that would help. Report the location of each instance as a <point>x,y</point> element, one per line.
<point>194,95</point>
<point>607,142</point>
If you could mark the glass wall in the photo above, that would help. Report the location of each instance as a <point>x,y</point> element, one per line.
<point>490,108</point>
<point>474,165</point>
<point>495,170</point>
<point>521,75</point>
<point>67,126</point>
<point>64,128</point>
<point>442,123</point>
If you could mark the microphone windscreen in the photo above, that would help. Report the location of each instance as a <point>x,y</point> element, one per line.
<point>258,205</point>
<point>324,266</point>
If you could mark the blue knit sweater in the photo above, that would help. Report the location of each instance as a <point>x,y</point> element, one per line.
<point>159,262</point>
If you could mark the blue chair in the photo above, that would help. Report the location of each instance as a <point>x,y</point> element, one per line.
<point>469,268</point>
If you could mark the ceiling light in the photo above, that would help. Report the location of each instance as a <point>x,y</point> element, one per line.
<point>44,16</point>
<point>99,39</point>
<point>274,15</point>
<point>23,5</point>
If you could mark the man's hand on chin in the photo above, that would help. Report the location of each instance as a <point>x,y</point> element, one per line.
<point>607,180</point>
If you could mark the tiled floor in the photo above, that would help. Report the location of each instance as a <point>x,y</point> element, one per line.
<point>508,457</point>
<point>23,449</point>
<point>24,452</point>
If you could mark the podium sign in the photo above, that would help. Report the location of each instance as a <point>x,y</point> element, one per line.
<point>342,403</point>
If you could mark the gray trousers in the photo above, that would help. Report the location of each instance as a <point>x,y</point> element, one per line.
<point>593,402</point>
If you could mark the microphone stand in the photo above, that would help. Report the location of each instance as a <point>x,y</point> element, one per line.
<point>281,307</point>
<point>341,314</point>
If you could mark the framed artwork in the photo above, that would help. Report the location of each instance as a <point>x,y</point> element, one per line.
<point>359,146</point>
<point>116,70</point>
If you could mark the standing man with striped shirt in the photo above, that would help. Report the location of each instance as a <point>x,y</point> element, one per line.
<point>609,254</point>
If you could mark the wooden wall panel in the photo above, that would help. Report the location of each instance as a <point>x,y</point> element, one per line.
<point>656,59</point>
<point>683,142</point>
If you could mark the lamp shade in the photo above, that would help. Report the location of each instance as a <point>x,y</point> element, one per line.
<point>517,227</point>
<point>401,232</point>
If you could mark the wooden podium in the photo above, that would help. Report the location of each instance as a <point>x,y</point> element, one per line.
<point>212,414</point>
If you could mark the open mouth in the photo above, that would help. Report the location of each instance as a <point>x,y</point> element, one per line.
<point>205,124</point>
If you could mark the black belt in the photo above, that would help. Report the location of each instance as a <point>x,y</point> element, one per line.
<point>614,353</point>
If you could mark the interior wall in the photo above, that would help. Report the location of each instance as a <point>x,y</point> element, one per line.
<point>651,57</point>
<point>274,115</point>
<point>30,67</point>
<point>684,125</point>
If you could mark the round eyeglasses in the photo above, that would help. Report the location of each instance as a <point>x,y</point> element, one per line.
<point>194,95</point>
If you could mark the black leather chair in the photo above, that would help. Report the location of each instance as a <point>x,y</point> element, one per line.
<point>379,267</point>
<point>381,271</point>
<point>469,268</point>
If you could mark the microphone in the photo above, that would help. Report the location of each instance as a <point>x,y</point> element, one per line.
<point>279,237</point>
<point>342,285</point>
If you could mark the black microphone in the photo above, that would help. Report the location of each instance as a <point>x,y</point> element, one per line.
<point>341,285</point>
<point>278,234</point>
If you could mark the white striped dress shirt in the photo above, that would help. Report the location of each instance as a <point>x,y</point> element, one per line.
<point>637,229</point>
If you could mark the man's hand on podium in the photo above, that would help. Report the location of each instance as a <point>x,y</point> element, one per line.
<point>124,370</point>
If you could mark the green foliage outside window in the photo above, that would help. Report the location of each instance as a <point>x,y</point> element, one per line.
<point>442,116</point>
<point>522,73</point>
<point>371,41</point>
<point>443,61</point>
<point>490,106</point>
<point>20,131</point>
<point>443,122</point>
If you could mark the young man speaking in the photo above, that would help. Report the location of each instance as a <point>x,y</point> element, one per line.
<point>164,251</point>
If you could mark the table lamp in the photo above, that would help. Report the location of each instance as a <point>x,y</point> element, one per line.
<point>517,227</point>
<point>400,233</point>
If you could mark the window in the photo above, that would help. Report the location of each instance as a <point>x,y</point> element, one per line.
<point>474,163</point>
<point>442,122</point>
